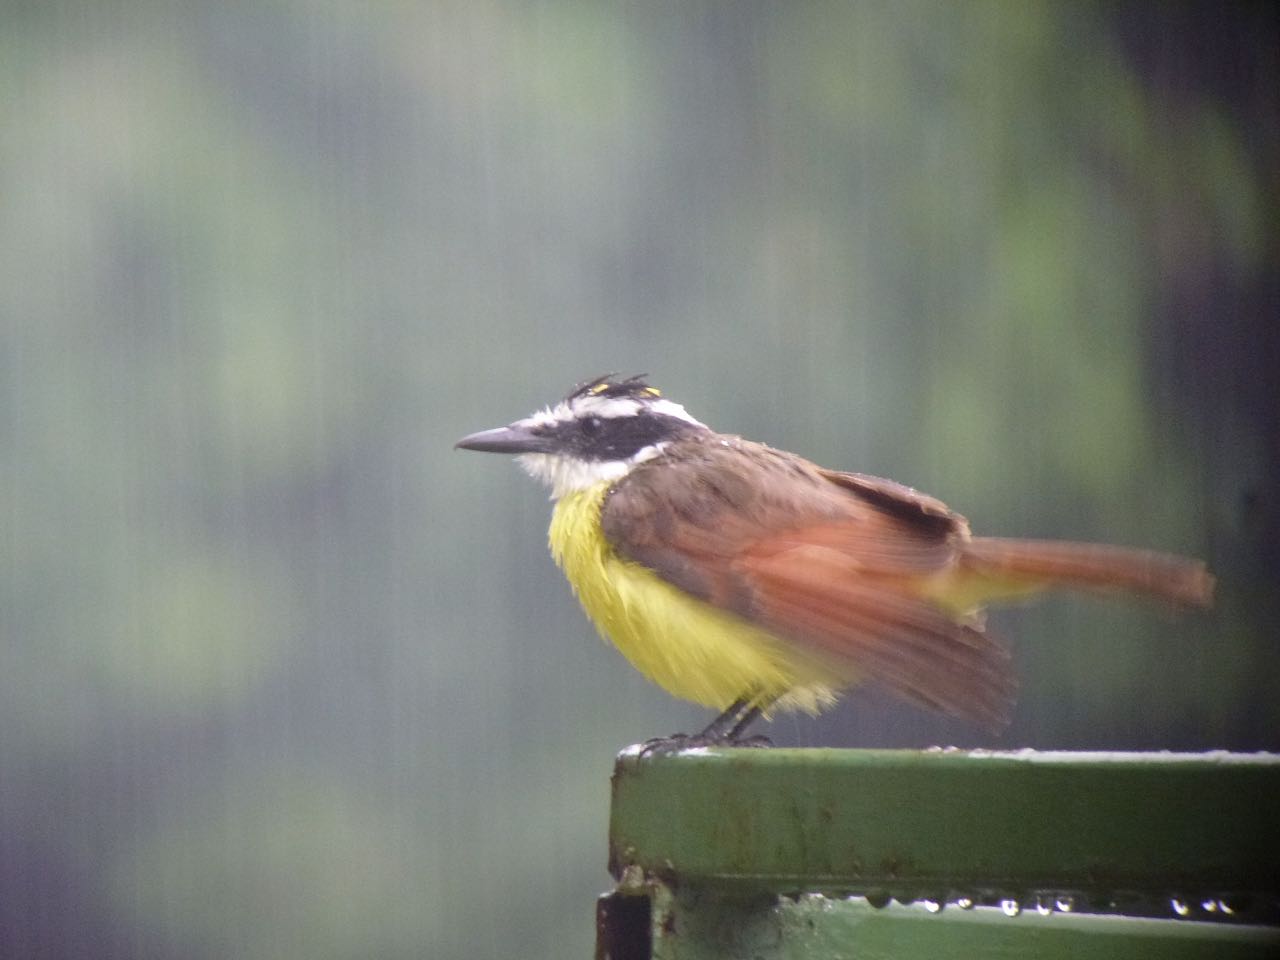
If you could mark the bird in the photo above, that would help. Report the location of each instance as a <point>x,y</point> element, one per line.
<point>751,580</point>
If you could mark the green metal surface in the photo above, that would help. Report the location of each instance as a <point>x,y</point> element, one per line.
<point>952,823</point>
<point>696,925</point>
<point>755,853</point>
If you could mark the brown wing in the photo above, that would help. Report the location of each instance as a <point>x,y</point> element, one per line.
<point>826,560</point>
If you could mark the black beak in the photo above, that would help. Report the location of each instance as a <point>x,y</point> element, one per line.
<point>512,439</point>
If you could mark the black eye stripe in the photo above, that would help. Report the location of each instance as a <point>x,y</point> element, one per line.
<point>619,438</point>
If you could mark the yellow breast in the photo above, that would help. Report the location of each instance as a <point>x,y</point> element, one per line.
<point>689,648</point>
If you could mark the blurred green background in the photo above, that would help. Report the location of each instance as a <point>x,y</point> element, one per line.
<point>283,675</point>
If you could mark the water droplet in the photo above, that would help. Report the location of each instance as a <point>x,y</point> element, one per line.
<point>878,899</point>
<point>933,906</point>
<point>1065,903</point>
<point>1010,907</point>
<point>964,903</point>
<point>1180,907</point>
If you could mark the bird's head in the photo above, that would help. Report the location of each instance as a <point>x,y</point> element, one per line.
<point>599,432</point>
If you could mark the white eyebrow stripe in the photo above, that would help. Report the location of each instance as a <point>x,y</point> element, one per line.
<point>608,408</point>
<point>670,409</point>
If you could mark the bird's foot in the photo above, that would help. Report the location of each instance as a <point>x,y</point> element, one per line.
<point>726,730</point>
<point>678,742</point>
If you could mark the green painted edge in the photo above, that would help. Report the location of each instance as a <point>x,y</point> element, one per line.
<point>693,925</point>
<point>940,822</point>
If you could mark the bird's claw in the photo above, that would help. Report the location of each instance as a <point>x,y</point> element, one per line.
<point>677,742</point>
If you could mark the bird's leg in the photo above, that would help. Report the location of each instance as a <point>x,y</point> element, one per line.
<point>745,718</point>
<point>725,730</point>
<point>748,717</point>
<point>729,724</point>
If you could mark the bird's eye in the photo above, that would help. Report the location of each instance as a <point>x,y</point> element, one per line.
<point>591,426</point>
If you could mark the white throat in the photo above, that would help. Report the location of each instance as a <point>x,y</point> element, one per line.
<point>566,475</point>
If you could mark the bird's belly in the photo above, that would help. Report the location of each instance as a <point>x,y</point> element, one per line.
<point>689,648</point>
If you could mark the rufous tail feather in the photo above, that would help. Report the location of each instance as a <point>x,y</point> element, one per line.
<point>1037,564</point>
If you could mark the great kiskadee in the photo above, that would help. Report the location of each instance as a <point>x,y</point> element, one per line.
<point>748,579</point>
